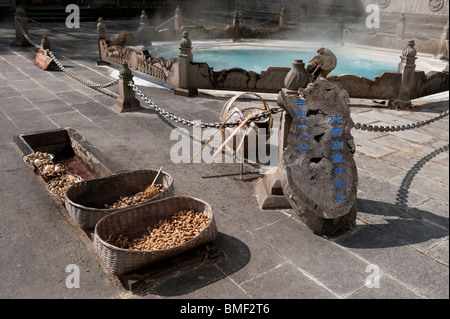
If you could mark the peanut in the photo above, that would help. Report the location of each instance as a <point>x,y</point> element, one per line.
<point>166,234</point>
<point>137,198</point>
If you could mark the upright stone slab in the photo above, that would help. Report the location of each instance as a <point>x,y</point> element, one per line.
<point>318,172</point>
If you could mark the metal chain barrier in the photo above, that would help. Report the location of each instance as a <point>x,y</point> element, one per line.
<point>62,68</point>
<point>16,21</point>
<point>79,78</point>
<point>357,126</point>
<point>398,128</point>
<point>166,22</point>
<point>83,37</point>
<point>196,123</point>
<point>265,114</point>
<point>265,22</point>
<point>192,21</point>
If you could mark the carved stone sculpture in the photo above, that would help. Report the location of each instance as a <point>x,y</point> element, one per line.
<point>296,77</point>
<point>322,64</point>
<point>318,173</point>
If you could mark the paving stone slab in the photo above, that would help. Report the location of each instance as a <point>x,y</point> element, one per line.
<point>372,149</point>
<point>388,288</point>
<point>433,211</point>
<point>387,192</point>
<point>37,93</point>
<point>372,165</point>
<point>417,272</point>
<point>424,186</point>
<point>53,106</point>
<point>330,265</point>
<point>402,145</point>
<point>74,97</point>
<point>440,251</point>
<point>31,120</point>
<point>294,283</point>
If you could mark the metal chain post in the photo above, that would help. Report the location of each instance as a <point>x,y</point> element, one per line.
<point>180,120</point>
<point>69,73</point>
<point>78,78</point>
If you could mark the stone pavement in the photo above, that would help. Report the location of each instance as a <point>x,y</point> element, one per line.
<point>403,196</point>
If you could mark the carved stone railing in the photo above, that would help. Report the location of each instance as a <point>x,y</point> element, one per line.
<point>387,85</point>
<point>140,60</point>
<point>236,79</point>
<point>188,76</point>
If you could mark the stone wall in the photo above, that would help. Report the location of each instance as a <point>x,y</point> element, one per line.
<point>420,7</point>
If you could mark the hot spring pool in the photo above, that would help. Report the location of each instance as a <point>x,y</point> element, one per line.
<point>257,57</point>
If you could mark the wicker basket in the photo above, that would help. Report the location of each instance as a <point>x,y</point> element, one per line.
<point>133,223</point>
<point>85,201</point>
<point>61,198</point>
<point>51,158</point>
<point>33,166</point>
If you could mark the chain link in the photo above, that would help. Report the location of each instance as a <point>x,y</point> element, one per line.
<point>180,120</point>
<point>59,64</point>
<point>265,114</point>
<point>166,22</point>
<point>79,78</point>
<point>398,128</point>
<point>17,22</point>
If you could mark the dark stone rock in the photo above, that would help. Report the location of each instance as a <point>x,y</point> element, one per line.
<point>319,175</point>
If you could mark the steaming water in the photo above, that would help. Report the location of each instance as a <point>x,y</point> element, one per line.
<point>259,58</point>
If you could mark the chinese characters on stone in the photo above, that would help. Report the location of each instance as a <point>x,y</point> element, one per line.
<point>302,138</point>
<point>338,158</point>
<point>337,145</point>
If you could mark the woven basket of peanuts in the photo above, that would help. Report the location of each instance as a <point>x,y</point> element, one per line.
<point>137,237</point>
<point>89,201</point>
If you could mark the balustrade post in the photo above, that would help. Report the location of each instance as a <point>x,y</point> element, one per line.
<point>283,17</point>
<point>407,68</point>
<point>178,21</point>
<point>184,63</point>
<point>401,26</point>
<point>443,43</point>
<point>126,102</point>
<point>23,21</point>
<point>101,35</point>
<point>142,31</point>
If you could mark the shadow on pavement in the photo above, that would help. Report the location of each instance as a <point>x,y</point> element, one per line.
<point>390,226</point>
<point>232,255</point>
<point>402,194</point>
